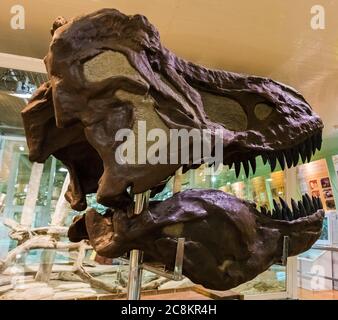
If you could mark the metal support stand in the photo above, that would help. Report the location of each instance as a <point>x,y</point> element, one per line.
<point>136,256</point>
<point>285,250</point>
<point>176,275</point>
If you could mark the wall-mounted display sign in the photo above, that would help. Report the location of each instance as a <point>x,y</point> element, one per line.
<point>315,180</point>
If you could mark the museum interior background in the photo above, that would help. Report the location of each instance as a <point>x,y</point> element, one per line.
<point>265,38</point>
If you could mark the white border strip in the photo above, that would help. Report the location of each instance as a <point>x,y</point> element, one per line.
<point>22,63</point>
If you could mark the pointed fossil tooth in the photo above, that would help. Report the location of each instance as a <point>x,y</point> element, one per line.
<point>306,204</point>
<point>263,210</point>
<point>272,161</point>
<point>280,157</point>
<point>253,165</point>
<point>246,168</point>
<point>264,158</point>
<point>308,148</point>
<point>290,213</point>
<point>288,158</point>
<point>315,140</point>
<point>319,140</point>
<point>295,156</point>
<point>278,210</point>
<point>295,209</point>
<point>282,202</point>
<point>274,214</point>
<point>286,208</point>
<point>302,151</point>
<point>308,156</point>
<point>310,204</point>
<point>237,168</point>
<point>314,203</point>
<point>285,215</point>
<point>313,143</point>
<point>231,165</point>
<point>320,205</point>
<point>302,211</point>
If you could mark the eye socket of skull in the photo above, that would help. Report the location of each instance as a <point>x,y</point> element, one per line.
<point>262,111</point>
<point>225,111</point>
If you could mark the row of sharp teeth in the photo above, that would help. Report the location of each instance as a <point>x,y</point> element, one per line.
<point>303,208</point>
<point>286,158</point>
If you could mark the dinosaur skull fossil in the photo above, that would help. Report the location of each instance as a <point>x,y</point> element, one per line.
<point>109,72</point>
<point>228,241</point>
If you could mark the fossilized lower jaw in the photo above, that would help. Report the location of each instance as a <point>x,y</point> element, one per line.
<point>214,260</point>
<point>301,209</point>
<point>286,157</point>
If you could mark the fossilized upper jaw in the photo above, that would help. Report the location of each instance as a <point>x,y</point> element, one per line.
<point>108,70</point>
<point>286,155</point>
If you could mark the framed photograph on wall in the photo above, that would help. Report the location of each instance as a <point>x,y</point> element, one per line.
<point>313,184</point>
<point>328,193</point>
<point>325,182</point>
<point>330,205</point>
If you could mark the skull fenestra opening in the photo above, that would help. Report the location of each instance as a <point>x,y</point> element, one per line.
<point>123,114</point>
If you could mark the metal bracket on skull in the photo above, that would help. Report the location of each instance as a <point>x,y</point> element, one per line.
<point>175,275</point>
<point>285,253</point>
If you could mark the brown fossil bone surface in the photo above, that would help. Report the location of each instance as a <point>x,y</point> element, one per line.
<point>227,240</point>
<point>109,72</point>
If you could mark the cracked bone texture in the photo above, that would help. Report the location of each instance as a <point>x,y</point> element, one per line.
<point>227,241</point>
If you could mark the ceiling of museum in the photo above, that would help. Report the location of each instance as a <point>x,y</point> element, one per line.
<point>266,38</point>
<point>11,106</point>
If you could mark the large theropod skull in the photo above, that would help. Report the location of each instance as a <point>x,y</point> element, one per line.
<point>109,72</point>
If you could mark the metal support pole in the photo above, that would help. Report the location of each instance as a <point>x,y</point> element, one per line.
<point>136,256</point>
<point>177,184</point>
